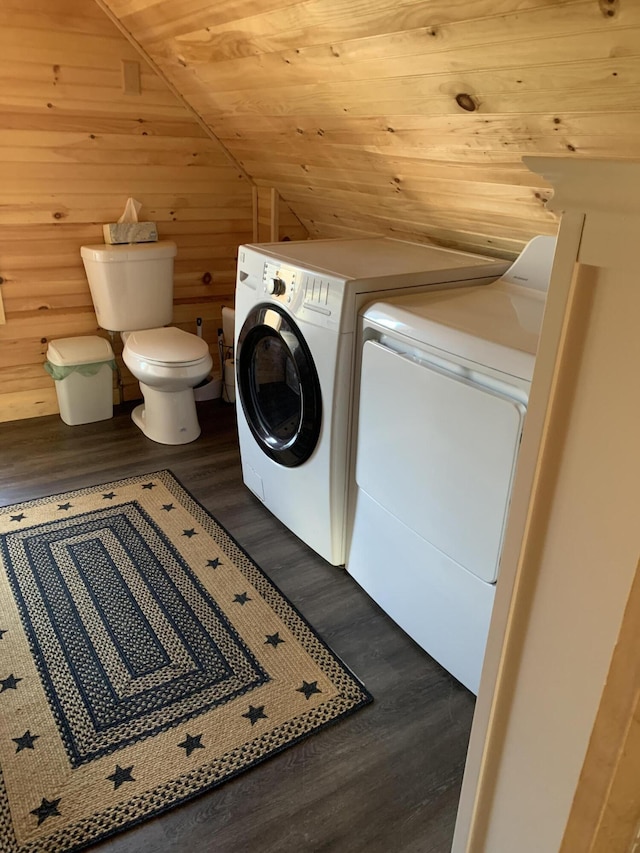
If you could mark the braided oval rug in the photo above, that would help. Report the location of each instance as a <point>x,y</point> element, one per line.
<point>144,658</point>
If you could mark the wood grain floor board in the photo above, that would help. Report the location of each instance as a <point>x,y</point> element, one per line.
<point>385,780</point>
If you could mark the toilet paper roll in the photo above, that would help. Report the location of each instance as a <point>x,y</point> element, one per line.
<point>229,386</point>
<point>228,322</point>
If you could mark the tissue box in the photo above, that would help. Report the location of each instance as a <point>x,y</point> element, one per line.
<point>130,232</point>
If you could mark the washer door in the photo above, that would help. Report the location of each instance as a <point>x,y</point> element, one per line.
<point>278,386</point>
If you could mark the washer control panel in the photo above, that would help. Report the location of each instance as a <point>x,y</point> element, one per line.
<point>279,281</point>
<point>310,296</point>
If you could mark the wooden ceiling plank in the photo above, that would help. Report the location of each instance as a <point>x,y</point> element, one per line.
<point>424,229</point>
<point>310,157</point>
<point>402,203</point>
<point>348,129</point>
<point>588,72</point>
<point>161,18</point>
<point>390,221</point>
<point>300,26</point>
<point>406,96</point>
<point>577,34</point>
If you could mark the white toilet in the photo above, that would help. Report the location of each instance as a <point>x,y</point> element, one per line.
<point>132,291</point>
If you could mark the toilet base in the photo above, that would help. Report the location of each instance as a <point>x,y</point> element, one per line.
<point>167,417</point>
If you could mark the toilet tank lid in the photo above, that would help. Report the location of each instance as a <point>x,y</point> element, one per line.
<point>108,254</point>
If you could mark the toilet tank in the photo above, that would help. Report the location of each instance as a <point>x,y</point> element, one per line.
<point>131,285</point>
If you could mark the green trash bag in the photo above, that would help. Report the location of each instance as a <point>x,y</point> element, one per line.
<point>59,371</point>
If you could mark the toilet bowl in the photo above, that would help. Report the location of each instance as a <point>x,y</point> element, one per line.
<point>168,363</point>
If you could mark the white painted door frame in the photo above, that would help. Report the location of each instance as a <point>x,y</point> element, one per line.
<point>572,544</point>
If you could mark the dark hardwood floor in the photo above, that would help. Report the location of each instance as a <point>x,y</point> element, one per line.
<point>385,780</point>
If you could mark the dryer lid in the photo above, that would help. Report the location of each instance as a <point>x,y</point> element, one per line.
<point>167,345</point>
<point>497,325</point>
<point>480,324</point>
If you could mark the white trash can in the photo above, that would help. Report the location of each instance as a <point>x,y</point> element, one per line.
<point>83,372</point>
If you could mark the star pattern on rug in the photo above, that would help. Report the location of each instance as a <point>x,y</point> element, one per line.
<point>191,743</point>
<point>47,808</point>
<point>255,713</point>
<point>189,533</point>
<point>121,775</point>
<point>184,594</point>
<point>9,683</point>
<point>26,741</point>
<point>18,517</point>
<point>309,688</point>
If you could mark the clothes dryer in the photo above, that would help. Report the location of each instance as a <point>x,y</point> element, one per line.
<point>444,387</point>
<point>297,305</point>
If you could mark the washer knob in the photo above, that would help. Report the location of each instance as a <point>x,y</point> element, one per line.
<point>276,286</point>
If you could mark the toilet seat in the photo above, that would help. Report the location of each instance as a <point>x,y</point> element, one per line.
<point>167,346</point>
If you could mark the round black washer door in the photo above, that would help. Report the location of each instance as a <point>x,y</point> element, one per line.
<point>278,386</point>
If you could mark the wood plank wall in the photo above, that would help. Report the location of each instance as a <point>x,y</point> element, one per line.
<point>405,117</point>
<point>73,148</point>
<point>402,118</point>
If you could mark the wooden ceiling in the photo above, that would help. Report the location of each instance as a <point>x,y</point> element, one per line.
<point>403,117</point>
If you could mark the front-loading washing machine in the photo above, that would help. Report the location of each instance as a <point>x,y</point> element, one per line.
<point>296,312</point>
<point>443,390</point>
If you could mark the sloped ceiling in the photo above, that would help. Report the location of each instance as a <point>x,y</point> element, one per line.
<point>404,118</point>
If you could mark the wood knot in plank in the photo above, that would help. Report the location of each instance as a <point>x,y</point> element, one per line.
<point>609,8</point>
<point>466,102</point>
<point>207,278</point>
